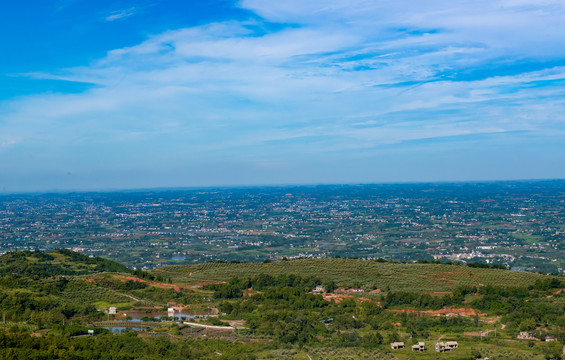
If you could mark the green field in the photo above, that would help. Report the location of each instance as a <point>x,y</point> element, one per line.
<point>369,273</point>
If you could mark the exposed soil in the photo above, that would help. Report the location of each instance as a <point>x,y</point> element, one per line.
<point>364,299</point>
<point>340,297</point>
<point>238,324</point>
<point>250,293</point>
<point>155,284</point>
<point>136,279</point>
<point>336,297</point>
<point>87,280</point>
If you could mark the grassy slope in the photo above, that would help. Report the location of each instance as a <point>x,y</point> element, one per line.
<point>409,277</point>
<point>57,262</point>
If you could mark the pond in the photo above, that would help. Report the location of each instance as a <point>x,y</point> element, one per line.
<point>120,329</point>
<point>177,316</point>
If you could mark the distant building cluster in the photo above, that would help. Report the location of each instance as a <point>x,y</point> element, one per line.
<point>398,223</point>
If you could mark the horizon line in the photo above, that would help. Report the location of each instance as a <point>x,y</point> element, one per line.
<point>281,185</point>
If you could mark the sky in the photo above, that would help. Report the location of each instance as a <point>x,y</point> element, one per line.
<point>100,95</point>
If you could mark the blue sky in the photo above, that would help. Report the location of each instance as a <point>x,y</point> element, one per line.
<point>130,94</point>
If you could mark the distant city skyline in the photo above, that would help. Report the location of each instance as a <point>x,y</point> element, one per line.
<point>145,94</point>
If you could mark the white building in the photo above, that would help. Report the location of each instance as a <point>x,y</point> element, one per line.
<point>397,345</point>
<point>446,346</point>
<point>421,346</point>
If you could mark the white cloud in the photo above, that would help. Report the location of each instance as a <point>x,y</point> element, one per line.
<point>7,142</point>
<point>345,75</point>
<point>120,14</point>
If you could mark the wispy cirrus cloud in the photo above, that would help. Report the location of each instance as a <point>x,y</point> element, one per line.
<point>7,142</point>
<point>121,14</point>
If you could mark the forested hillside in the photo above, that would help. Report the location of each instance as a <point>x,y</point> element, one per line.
<point>57,262</point>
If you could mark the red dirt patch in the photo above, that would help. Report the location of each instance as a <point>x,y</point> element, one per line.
<point>336,297</point>
<point>154,284</point>
<point>340,297</point>
<point>364,299</point>
<point>250,293</point>
<point>178,306</point>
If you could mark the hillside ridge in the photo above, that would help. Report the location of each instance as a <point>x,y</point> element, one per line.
<point>371,274</point>
<point>54,263</point>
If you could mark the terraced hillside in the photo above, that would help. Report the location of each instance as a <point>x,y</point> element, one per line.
<point>365,273</point>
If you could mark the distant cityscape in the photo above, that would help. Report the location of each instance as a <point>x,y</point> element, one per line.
<point>517,224</point>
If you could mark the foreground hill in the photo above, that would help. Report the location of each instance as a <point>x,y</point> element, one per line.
<point>54,263</point>
<point>358,273</point>
<point>51,302</point>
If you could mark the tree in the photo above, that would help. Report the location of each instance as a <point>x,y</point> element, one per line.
<point>330,286</point>
<point>528,324</point>
<point>552,351</point>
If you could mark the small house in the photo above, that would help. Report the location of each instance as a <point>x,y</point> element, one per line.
<point>319,289</point>
<point>421,346</point>
<point>524,335</point>
<point>397,345</point>
<point>446,346</point>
